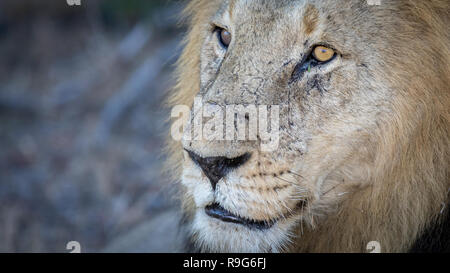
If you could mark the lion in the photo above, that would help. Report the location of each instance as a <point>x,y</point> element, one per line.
<point>363,143</point>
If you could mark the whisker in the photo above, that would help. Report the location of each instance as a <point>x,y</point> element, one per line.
<point>287,181</point>
<point>294,173</point>
<point>334,187</point>
<point>301,198</point>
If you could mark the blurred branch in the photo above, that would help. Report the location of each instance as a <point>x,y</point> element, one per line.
<point>133,43</point>
<point>134,89</point>
<point>20,104</point>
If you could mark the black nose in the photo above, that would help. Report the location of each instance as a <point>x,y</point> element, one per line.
<point>217,167</point>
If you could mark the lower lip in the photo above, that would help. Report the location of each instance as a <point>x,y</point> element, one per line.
<point>218,212</point>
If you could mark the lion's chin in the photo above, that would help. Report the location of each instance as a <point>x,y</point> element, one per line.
<point>214,234</point>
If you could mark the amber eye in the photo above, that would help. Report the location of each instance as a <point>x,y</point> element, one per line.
<point>323,54</point>
<point>224,37</point>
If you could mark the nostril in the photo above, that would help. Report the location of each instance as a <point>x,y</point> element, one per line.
<point>217,167</point>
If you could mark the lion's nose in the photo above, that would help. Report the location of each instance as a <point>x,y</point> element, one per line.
<point>217,167</point>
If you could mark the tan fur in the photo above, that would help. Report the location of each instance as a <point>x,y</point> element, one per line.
<point>310,19</point>
<point>376,162</point>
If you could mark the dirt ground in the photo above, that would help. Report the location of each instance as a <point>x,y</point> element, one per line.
<point>82,124</point>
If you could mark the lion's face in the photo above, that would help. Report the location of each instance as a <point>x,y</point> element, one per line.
<point>323,63</point>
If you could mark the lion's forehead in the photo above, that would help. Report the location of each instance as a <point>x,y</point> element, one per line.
<point>275,27</point>
<point>269,25</point>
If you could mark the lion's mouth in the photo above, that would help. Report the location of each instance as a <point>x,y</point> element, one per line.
<point>217,211</point>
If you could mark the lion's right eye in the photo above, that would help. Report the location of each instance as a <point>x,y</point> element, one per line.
<point>323,53</point>
<point>224,37</point>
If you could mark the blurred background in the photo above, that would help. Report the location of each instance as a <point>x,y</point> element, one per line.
<point>82,124</point>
